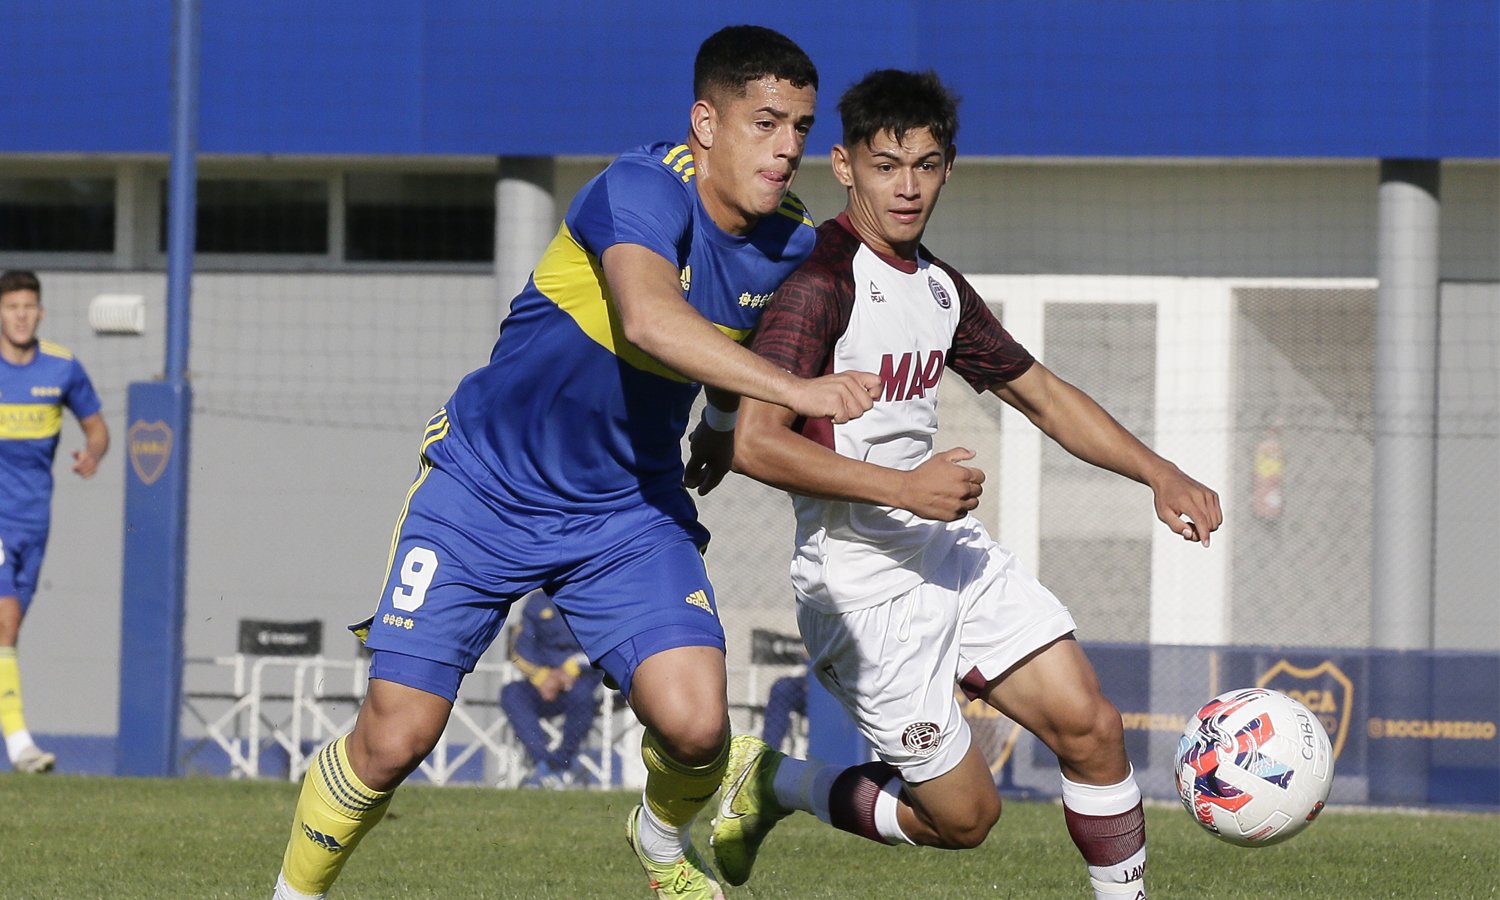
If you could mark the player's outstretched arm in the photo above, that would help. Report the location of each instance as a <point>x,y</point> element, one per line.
<point>769,451</point>
<point>655,318</point>
<point>1083,428</point>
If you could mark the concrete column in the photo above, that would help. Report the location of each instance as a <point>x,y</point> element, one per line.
<point>526,218</point>
<point>1406,332</point>
<point>1194,428</point>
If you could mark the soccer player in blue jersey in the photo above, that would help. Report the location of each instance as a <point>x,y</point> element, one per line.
<point>558,465</point>
<point>37,379</point>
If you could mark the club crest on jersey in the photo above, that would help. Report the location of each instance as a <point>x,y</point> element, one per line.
<point>939,293</point>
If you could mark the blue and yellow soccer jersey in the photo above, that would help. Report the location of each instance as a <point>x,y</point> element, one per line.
<point>568,414</point>
<point>32,398</point>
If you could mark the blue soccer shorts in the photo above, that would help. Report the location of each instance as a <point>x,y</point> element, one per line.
<point>21,552</point>
<point>629,583</point>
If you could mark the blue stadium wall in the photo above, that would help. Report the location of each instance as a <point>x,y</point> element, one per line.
<point>1249,78</point>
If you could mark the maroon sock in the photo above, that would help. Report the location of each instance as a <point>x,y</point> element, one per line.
<point>851,802</point>
<point>1107,840</point>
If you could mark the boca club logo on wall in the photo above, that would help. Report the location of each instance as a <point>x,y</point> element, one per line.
<point>150,449</point>
<point>1324,689</point>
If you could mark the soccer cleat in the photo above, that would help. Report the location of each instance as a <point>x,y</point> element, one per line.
<point>747,807</point>
<point>686,878</point>
<point>33,760</point>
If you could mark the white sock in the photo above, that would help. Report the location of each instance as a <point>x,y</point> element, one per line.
<point>1105,889</point>
<point>886,804</point>
<point>285,891</point>
<point>659,841</point>
<point>17,741</point>
<point>805,784</point>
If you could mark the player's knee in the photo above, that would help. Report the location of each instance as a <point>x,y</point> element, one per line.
<point>693,740</point>
<point>512,697</point>
<point>383,757</point>
<point>1089,732</point>
<point>966,828</point>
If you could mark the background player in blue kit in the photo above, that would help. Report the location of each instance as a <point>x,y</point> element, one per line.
<point>558,465</point>
<point>558,682</point>
<point>37,379</point>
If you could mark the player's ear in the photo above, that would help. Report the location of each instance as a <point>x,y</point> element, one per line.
<point>703,120</point>
<point>842,165</point>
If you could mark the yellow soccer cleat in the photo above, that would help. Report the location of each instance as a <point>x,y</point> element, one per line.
<point>747,807</point>
<point>686,878</point>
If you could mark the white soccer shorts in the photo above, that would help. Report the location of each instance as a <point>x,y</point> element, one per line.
<point>894,665</point>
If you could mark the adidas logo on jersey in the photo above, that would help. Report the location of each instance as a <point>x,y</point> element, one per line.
<point>875,295</point>
<point>700,600</point>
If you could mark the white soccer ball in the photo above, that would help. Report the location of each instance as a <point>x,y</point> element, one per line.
<point>1254,767</point>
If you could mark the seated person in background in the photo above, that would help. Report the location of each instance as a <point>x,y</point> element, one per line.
<point>559,682</point>
<point>788,695</point>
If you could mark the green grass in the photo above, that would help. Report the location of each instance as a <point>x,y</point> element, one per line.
<point>121,838</point>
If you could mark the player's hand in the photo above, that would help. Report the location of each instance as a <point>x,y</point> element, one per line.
<point>84,463</point>
<point>1186,506</point>
<point>552,686</point>
<point>840,397</point>
<point>710,454</point>
<point>942,488</point>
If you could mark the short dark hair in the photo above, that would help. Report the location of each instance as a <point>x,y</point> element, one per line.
<point>898,101</point>
<point>20,280</point>
<point>735,56</point>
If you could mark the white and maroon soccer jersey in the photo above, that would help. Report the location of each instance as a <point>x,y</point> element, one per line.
<point>850,308</point>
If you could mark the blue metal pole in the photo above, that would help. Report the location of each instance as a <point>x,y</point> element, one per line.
<point>156,481</point>
<point>182,197</point>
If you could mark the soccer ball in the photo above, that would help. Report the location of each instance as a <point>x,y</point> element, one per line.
<point>1254,767</point>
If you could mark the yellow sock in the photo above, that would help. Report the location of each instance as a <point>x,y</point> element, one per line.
<point>11,719</point>
<point>675,792</point>
<point>334,811</point>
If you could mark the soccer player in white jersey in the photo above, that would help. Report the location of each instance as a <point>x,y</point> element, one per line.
<point>901,592</point>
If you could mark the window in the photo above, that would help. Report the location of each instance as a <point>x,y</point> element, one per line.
<point>420,218</point>
<point>71,215</point>
<point>258,216</point>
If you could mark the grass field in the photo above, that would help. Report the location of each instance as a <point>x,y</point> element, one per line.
<point>80,837</point>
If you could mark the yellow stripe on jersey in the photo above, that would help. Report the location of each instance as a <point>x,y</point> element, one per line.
<point>681,161</point>
<point>52,349</point>
<point>29,421</point>
<point>437,429</point>
<point>573,278</point>
<point>795,209</point>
